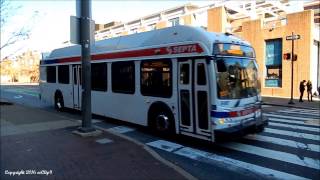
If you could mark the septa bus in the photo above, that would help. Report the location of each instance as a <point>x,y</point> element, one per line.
<point>181,80</point>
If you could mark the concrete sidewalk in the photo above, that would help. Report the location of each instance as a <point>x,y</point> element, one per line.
<point>277,101</point>
<point>37,144</point>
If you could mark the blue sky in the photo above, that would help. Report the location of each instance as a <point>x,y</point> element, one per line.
<point>51,27</point>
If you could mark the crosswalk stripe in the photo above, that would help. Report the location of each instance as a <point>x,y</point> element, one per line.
<point>303,110</point>
<point>292,121</point>
<point>229,163</point>
<point>165,145</point>
<point>293,134</point>
<point>272,154</point>
<point>302,113</point>
<point>290,117</point>
<point>295,127</point>
<point>284,142</point>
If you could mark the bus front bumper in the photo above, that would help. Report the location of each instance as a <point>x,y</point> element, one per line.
<point>244,126</point>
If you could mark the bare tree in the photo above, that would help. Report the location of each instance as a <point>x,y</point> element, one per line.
<point>7,10</point>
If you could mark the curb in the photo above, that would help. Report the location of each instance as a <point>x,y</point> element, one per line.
<point>152,153</point>
<point>290,106</point>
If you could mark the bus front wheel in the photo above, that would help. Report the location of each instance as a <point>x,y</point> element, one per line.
<point>163,123</point>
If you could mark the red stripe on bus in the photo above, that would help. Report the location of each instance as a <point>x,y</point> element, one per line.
<point>178,49</point>
<point>70,59</point>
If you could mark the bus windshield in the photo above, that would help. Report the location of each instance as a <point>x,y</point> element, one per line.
<point>237,78</point>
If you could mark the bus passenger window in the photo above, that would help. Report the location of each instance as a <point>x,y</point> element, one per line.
<point>63,74</point>
<point>184,74</point>
<point>99,76</point>
<point>51,74</point>
<point>201,74</point>
<point>156,79</point>
<point>123,77</point>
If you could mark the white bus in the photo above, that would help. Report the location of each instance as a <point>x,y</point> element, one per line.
<point>181,80</point>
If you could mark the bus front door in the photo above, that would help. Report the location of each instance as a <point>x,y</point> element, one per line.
<point>193,90</point>
<point>76,73</point>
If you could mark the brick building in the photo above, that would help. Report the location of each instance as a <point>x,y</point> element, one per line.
<point>265,24</point>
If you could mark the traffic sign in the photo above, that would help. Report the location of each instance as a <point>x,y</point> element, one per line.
<point>293,37</point>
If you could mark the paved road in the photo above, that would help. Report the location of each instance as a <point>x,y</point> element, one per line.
<point>289,148</point>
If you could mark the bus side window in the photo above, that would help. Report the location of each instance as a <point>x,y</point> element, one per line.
<point>156,78</point>
<point>123,77</point>
<point>99,76</point>
<point>51,74</point>
<point>201,73</point>
<point>63,74</point>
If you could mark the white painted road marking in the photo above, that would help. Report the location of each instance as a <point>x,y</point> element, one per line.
<point>229,163</point>
<point>295,127</point>
<point>121,129</point>
<point>291,121</point>
<point>302,113</point>
<point>17,96</point>
<point>272,154</point>
<point>289,117</point>
<point>165,145</point>
<point>104,141</point>
<point>284,142</point>
<point>301,110</point>
<point>293,134</point>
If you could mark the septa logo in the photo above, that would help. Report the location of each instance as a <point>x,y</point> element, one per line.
<point>191,48</point>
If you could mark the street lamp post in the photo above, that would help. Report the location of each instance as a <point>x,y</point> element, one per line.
<point>84,6</point>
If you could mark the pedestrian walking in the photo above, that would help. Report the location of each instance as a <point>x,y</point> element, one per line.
<point>309,90</point>
<point>301,88</point>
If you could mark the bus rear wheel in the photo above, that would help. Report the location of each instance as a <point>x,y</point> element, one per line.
<point>58,102</point>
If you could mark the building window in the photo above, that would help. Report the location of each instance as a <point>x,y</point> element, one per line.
<point>152,27</point>
<point>174,22</point>
<point>134,30</point>
<point>63,74</point>
<point>123,77</point>
<point>51,74</point>
<point>99,76</point>
<point>273,63</point>
<point>156,79</point>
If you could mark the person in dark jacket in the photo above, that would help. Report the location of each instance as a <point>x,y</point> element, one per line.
<point>309,90</point>
<point>301,88</point>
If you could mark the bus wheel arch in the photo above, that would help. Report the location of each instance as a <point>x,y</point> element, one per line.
<point>161,118</point>
<point>58,100</point>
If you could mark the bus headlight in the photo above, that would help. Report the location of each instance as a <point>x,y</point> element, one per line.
<point>221,121</point>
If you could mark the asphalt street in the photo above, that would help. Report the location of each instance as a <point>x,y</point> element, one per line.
<point>289,148</point>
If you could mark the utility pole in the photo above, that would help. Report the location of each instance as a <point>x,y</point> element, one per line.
<point>84,14</point>
<point>293,37</point>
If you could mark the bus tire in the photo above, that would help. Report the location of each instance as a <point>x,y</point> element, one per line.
<point>161,120</point>
<point>58,101</point>
<point>259,128</point>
